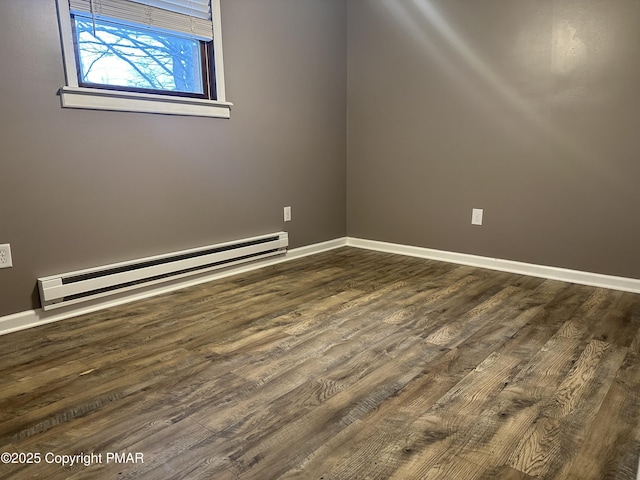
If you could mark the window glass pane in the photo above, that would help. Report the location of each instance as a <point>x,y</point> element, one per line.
<point>122,55</point>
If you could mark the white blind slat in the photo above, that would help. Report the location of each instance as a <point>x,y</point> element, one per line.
<point>195,8</point>
<point>140,13</point>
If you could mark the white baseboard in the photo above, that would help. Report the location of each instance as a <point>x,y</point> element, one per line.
<point>542,271</point>
<point>34,318</point>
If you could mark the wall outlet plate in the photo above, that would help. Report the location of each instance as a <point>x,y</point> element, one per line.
<point>476,216</point>
<point>5,256</point>
<point>287,214</point>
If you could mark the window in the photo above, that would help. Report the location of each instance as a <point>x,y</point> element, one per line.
<point>111,55</point>
<point>158,56</point>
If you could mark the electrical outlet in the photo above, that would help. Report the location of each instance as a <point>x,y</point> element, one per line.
<point>5,256</point>
<point>476,216</point>
<point>287,214</point>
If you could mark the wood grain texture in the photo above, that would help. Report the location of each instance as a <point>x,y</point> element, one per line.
<point>349,364</point>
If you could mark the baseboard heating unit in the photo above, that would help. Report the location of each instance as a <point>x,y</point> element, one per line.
<point>83,285</point>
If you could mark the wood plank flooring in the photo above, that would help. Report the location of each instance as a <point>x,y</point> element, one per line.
<point>349,364</point>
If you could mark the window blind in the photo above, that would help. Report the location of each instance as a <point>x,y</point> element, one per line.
<point>192,17</point>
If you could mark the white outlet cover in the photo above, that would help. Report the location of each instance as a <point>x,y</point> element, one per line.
<point>287,214</point>
<point>476,216</point>
<point>5,256</point>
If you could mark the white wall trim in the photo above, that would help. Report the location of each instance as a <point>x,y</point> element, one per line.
<point>542,271</point>
<point>33,318</point>
<point>120,101</point>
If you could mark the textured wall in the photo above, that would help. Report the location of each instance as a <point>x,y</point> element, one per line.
<point>526,109</point>
<point>85,188</point>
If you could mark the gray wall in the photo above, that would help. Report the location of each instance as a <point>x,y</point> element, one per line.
<point>528,109</point>
<point>84,188</point>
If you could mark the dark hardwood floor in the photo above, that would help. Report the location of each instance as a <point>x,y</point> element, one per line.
<point>345,365</point>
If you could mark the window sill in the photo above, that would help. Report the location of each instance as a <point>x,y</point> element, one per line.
<point>97,99</point>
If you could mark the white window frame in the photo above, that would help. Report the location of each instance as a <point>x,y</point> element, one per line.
<point>74,96</point>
